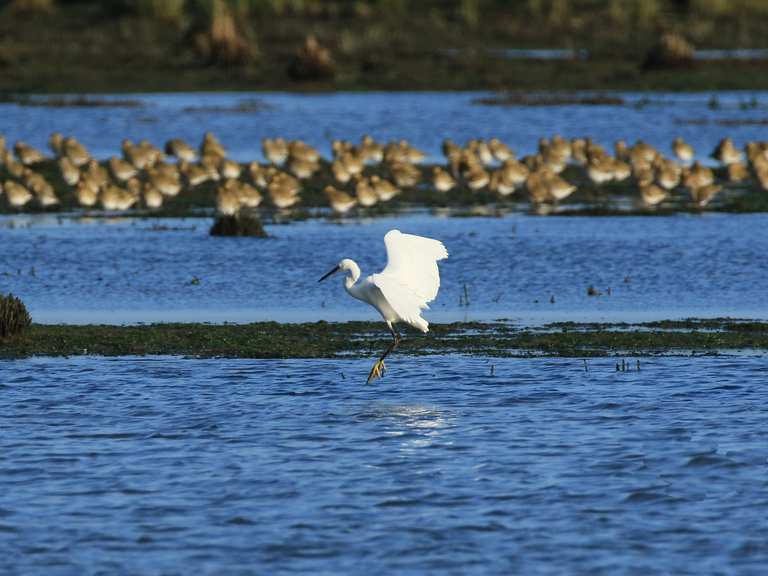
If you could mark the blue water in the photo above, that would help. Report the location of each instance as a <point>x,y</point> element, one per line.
<point>176,466</point>
<point>422,118</point>
<point>124,271</point>
<point>450,465</point>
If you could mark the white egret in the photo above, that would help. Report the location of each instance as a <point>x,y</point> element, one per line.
<point>409,281</point>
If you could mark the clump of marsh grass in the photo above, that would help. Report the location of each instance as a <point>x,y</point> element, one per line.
<point>559,13</point>
<point>31,7</point>
<point>172,11</point>
<point>14,317</point>
<point>238,225</point>
<point>289,6</point>
<point>633,17</point>
<point>313,61</point>
<point>710,7</point>
<point>221,41</point>
<point>671,50</point>
<point>470,12</point>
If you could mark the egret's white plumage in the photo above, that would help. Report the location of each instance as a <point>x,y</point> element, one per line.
<point>409,281</point>
<point>405,286</point>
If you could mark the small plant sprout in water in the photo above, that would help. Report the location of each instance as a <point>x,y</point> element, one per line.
<point>626,366</point>
<point>464,297</point>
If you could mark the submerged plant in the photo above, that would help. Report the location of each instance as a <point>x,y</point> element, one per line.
<point>238,225</point>
<point>14,317</point>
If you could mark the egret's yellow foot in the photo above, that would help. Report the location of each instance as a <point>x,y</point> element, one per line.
<point>377,371</point>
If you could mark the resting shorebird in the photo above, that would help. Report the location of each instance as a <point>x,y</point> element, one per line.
<point>682,149</point>
<point>339,200</point>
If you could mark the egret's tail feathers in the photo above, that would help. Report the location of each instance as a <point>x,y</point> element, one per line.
<point>420,324</point>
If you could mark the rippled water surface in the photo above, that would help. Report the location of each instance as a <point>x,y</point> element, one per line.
<point>450,464</point>
<point>422,118</point>
<point>177,466</point>
<point>524,268</point>
<point>532,269</point>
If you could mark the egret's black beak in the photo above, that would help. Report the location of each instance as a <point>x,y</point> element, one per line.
<point>331,273</point>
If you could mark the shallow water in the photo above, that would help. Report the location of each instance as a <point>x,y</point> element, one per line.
<point>422,118</point>
<point>169,466</point>
<point>124,271</point>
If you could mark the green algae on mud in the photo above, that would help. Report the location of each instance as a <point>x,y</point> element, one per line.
<point>359,339</point>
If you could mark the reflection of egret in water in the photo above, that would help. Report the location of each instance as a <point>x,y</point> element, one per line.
<point>419,426</point>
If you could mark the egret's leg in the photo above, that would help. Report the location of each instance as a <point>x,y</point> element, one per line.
<point>379,368</point>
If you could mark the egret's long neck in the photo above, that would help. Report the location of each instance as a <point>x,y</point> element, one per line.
<point>353,276</point>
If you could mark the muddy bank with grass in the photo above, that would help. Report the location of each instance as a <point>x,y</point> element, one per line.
<point>49,46</point>
<point>362,339</point>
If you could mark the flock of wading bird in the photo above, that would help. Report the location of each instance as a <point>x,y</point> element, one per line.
<point>364,174</point>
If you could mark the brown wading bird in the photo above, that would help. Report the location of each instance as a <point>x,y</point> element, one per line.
<point>340,201</point>
<point>403,289</point>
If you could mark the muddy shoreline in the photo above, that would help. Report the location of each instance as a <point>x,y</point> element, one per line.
<point>363,339</point>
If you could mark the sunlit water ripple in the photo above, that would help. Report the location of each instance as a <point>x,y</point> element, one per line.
<point>172,466</point>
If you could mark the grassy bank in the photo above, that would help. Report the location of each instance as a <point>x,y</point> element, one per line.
<point>49,46</point>
<point>324,340</point>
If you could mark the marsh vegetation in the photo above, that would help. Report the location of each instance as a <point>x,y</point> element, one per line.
<point>131,45</point>
<point>360,339</point>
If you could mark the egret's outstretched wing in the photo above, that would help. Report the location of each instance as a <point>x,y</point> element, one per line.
<point>403,301</point>
<point>410,279</point>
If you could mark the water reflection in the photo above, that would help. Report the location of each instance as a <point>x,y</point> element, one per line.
<point>418,426</point>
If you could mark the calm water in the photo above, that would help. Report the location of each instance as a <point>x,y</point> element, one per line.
<point>422,118</point>
<point>123,271</point>
<point>173,466</point>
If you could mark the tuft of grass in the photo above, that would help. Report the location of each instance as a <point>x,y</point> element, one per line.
<point>671,50</point>
<point>238,225</point>
<point>14,318</point>
<point>222,41</point>
<point>31,7</point>
<point>312,62</point>
<point>172,11</point>
<point>559,13</point>
<point>710,7</point>
<point>470,12</point>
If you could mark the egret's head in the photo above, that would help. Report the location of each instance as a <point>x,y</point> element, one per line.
<point>342,266</point>
<point>346,264</point>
